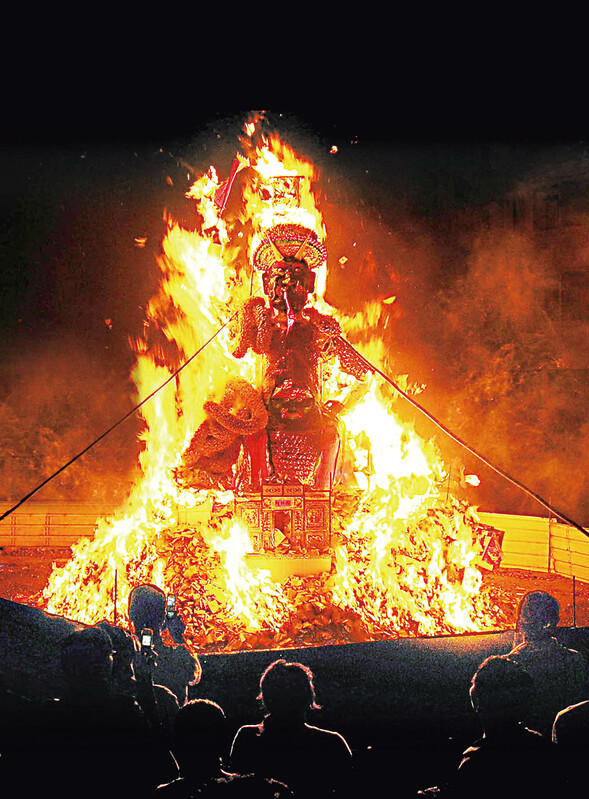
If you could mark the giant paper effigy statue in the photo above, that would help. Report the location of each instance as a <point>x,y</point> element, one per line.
<point>288,434</point>
<point>283,441</point>
<point>281,497</point>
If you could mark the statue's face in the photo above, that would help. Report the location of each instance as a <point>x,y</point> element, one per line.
<point>290,410</point>
<point>294,407</point>
<point>287,284</point>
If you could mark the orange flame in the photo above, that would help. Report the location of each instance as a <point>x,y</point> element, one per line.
<point>404,555</point>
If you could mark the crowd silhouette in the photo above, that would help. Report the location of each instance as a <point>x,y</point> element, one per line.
<point>125,723</point>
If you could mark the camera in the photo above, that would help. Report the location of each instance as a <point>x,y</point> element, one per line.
<point>170,605</point>
<point>146,640</point>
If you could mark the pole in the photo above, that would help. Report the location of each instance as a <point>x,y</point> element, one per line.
<point>574,601</point>
<point>549,568</point>
<point>115,597</point>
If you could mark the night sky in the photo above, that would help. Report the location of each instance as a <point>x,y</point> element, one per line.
<point>76,194</point>
<point>83,176</point>
<point>78,188</point>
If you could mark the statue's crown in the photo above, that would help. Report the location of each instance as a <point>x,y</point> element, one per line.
<point>289,241</point>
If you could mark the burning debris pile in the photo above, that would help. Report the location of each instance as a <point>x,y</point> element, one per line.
<point>419,588</point>
<point>282,499</point>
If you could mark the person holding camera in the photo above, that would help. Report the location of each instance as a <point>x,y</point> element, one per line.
<point>173,666</point>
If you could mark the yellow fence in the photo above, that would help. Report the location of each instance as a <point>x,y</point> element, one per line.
<point>49,524</point>
<point>541,544</point>
<point>60,524</point>
<point>534,543</point>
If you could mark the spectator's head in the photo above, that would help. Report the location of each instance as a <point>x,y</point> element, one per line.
<point>147,608</point>
<point>287,690</point>
<point>537,616</point>
<point>123,645</point>
<point>501,692</point>
<point>86,659</point>
<point>200,737</point>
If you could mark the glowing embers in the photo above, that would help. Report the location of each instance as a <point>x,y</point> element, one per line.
<point>380,579</point>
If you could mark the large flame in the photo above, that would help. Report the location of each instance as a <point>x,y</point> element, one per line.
<point>404,551</point>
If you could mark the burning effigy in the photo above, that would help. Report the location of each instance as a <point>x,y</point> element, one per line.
<point>282,499</point>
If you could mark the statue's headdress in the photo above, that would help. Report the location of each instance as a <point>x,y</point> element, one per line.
<point>289,241</point>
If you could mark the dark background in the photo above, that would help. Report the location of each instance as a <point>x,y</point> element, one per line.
<point>85,175</point>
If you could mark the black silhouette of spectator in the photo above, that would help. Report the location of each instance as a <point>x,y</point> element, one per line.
<point>93,741</point>
<point>175,666</point>
<point>132,674</point>
<point>123,657</point>
<point>570,732</point>
<point>509,760</point>
<point>313,762</point>
<point>200,744</point>
<point>559,673</point>
<point>17,720</point>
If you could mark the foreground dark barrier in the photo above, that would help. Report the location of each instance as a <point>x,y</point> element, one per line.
<point>29,649</point>
<point>402,705</point>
